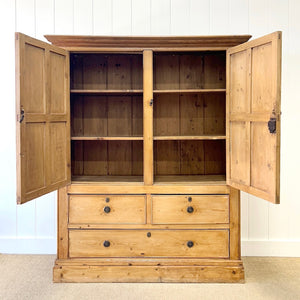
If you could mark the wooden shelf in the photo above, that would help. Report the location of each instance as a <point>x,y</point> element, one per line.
<point>107,138</point>
<point>159,180</point>
<point>106,92</point>
<point>189,179</point>
<point>107,179</point>
<point>196,137</point>
<point>189,91</point>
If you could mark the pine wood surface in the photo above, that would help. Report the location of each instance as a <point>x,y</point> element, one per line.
<point>148,116</point>
<point>253,157</point>
<point>107,209</point>
<point>183,274</point>
<point>136,243</point>
<point>106,92</point>
<point>142,42</point>
<point>62,221</point>
<point>43,139</point>
<point>169,209</point>
<point>190,90</point>
<point>235,226</point>
<point>148,226</point>
<point>149,121</point>
<point>217,185</point>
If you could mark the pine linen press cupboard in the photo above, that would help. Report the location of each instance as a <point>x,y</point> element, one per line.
<point>149,141</point>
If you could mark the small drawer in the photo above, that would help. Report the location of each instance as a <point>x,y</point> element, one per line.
<point>190,209</point>
<point>107,209</point>
<point>150,243</point>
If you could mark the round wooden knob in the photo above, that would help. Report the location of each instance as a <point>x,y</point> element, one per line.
<point>190,209</point>
<point>190,244</point>
<point>106,209</point>
<point>106,244</point>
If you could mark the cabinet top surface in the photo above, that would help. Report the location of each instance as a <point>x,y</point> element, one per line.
<point>72,42</point>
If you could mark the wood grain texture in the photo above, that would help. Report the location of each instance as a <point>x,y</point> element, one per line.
<point>253,157</point>
<point>107,209</point>
<point>148,116</point>
<point>146,42</point>
<point>193,209</point>
<point>187,274</point>
<point>43,135</point>
<point>139,243</point>
<point>62,221</point>
<point>235,226</point>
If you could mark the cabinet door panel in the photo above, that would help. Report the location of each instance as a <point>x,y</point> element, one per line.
<point>253,116</point>
<point>43,118</point>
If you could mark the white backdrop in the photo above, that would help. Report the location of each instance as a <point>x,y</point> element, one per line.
<point>266,229</point>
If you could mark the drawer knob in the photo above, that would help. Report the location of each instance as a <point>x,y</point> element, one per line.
<point>190,209</point>
<point>190,244</point>
<point>106,209</point>
<point>106,244</point>
<point>148,234</point>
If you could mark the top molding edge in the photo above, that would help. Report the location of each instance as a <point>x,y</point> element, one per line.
<point>147,42</point>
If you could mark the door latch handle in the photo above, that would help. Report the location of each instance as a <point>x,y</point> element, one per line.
<point>272,125</point>
<point>22,115</point>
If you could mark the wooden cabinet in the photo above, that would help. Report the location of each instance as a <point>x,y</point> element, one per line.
<point>149,140</point>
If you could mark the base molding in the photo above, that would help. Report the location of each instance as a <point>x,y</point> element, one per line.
<point>155,271</point>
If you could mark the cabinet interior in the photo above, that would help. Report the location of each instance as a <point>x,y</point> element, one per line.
<point>189,99</point>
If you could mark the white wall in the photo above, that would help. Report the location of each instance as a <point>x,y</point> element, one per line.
<point>266,229</point>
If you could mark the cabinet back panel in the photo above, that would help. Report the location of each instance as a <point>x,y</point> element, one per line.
<point>106,71</point>
<point>166,114</point>
<point>116,158</point>
<point>192,70</point>
<point>107,116</point>
<point>94,72</point>
<point>189,157</point>
<point>214,71</point>
<point>189,114</point>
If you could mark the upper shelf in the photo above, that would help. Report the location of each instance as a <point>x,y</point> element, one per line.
<point>189,91</point>
<point>105,92</point>
<point>77,42</point>
<point>118,92</point>
<point>189,137</point>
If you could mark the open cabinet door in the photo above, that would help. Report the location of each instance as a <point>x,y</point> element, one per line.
<point>43,118</point>
<point>253,117</point>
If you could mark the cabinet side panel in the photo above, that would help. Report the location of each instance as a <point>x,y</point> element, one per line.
<point>235,236</point>
<point>62,222</point>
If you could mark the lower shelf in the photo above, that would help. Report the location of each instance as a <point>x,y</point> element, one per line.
<point>161,179</point>
<point>130,270</point>
<point>107,179</point>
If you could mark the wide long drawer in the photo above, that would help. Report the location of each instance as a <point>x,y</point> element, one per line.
<point>151,243</point>
<point>107,209</point>
<point>193,209</point>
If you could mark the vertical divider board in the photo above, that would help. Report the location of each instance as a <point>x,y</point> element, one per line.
<point>148,115</point>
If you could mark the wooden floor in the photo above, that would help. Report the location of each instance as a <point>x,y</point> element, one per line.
<point>30,277</point>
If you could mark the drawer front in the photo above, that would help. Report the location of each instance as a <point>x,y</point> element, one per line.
<point>150,243</point>
<point>193,209</point>
<point>107,209</point>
